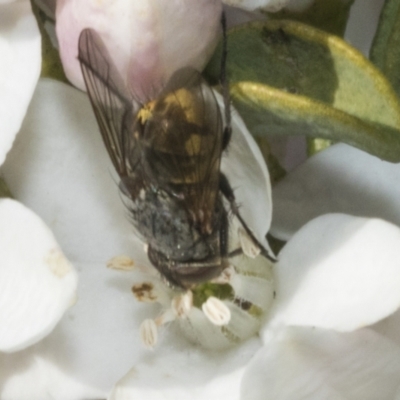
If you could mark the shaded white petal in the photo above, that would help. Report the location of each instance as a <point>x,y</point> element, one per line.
<point>313,364</point>
<point>59,167</point>
<point>92,347</point>
<point>339,179</point>
<point>248,175</point>
<point>339,272</point>
<point>362,23</point>
<point>389,327</point>
<point>37,283</point>
<point>272,5</point>
<point>181,372</point>
<point>20,55</point>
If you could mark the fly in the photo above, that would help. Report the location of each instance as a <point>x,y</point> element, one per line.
<point>167,153</point>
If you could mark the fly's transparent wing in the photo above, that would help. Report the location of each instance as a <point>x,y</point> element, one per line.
<point>113,106</point>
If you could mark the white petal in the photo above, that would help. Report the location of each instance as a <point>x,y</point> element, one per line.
<point>339,272</point>
<point>37,283</point>
<point>270,5</point>
<point>93,346</point>
<point>60,169</point>
<point>314,364</point>
<point>20,55</point>
<point>339,179</point>
<point>98,343</point>
<point>181,373</point>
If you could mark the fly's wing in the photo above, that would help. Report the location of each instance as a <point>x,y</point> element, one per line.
<point>183,139</point>
<point>113,106</point>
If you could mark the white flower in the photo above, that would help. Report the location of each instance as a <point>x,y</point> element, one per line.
<point>70,185</point>
<point>337,273</point>
<point>99,340</point>
<point>37,283</point>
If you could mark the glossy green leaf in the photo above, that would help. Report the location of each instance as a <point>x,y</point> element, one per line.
<point>289,78</point>
<point>385,51</point>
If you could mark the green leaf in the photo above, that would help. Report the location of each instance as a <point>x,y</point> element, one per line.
<point>385,51</point>
<point>51,63</point>
<point>289,78</point>
<point>4,190</point>
<point>328,15</point>
<point>317,144</point>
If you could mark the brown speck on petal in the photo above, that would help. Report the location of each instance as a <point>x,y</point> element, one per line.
<point>144,292</point>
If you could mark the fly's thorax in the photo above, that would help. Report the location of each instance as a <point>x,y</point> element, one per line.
<point>177,148</point>
<point>180,140</point>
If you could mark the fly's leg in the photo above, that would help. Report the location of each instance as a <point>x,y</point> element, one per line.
<point>225,86</point>
<point>227,192</point>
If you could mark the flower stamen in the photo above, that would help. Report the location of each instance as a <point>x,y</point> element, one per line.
<point>148,333</point>
<point>121,263</point>
<point>182,304</point>
<point>216,311</point>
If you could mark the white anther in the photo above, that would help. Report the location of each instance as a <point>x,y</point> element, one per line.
<point>182,304</point>
<point>146,248</point>
<point>145,292</point>
<point>121,263</point>
<point>247,244</point>
<point>216,311</point>
<point>148,333</point>
<point>225,276</point>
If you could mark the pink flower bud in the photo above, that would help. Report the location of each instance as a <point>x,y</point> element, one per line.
<point>147,39</point>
